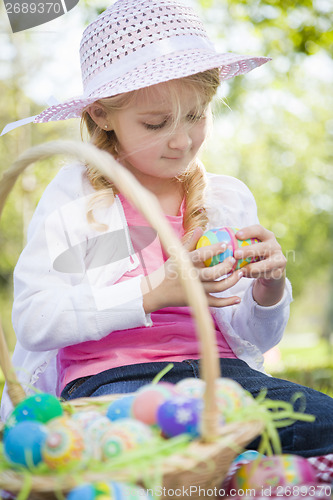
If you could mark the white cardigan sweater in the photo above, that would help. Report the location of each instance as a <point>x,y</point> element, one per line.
<point>62,299</point>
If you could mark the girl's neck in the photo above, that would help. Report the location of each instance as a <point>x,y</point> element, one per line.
<point>169,192</point>
<point>170,196</point>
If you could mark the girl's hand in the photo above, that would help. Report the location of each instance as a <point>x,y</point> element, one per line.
<point>270,270</point>
<point>163,288</point>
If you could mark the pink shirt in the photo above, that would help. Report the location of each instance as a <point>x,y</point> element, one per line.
<point>172,336</point>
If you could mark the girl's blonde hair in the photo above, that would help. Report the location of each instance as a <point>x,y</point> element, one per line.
<point>203,86</point>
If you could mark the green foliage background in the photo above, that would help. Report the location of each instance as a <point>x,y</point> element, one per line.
<point>273,130</point>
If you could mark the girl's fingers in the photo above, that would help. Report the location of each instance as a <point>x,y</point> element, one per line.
<point>261,250</point>
<point>222,301</point>
<point>254,250</point>
<point>254,231</point>
<point>222,285</point>
<point>273,267</point>
<point>216,272</point>
<point>200,255</point>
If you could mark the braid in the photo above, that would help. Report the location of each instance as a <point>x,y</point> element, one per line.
<point>102,139</point>
<point>195,213</point>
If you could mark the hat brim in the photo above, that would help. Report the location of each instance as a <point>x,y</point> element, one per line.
<point>162,69</point>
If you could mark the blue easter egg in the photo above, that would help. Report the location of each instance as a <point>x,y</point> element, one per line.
<point>124,491</point>
<point>23,443</point>
<point>112,490</point>
<point>180,415</point>
<point>120,408</point>
<point>82,492</point>
<point>247,455</point>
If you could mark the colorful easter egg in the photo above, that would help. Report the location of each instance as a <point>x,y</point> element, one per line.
<point>112,445</point>
<point>247,456</point>
<point>85,418</point>
<point>140,431</point>
<point>82,492</point>
<point>23,443</point>
<point>41,407</point>
<point>96,428</point>
<point>120,408</point>
<point>123,435</point>
<point>108,491</point>
<point>191,387</point>
<point>93,426</point>
<point>227,235</point>
<point>230,396</point>
<point>278,470</point>
<point>64,444</point>
<point>147,400</point>
<point>180,415</point>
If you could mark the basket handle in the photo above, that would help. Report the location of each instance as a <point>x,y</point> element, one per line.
<point>150,208</point>
<point>15,390</point>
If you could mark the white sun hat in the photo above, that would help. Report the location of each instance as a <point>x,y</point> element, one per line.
<point>138,43</point>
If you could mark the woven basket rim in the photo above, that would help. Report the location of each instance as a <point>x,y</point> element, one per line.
<point>197,459</point>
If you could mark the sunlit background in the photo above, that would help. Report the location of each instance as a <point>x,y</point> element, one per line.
<point>273,130</point>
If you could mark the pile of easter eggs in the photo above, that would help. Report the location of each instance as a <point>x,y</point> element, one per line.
<point>38,431</point>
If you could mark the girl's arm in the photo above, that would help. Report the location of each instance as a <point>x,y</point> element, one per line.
<point>71,302</point>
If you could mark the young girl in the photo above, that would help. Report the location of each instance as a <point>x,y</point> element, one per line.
<point>98,308</point>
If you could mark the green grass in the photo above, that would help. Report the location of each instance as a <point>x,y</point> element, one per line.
<point>310,366</point>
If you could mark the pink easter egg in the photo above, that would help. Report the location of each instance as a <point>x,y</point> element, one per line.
<point>274,471</point>
<point>149,398</point>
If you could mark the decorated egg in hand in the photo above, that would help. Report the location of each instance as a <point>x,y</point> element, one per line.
<point>23,443</point>
<point>226,235</point>
<point>180,415</point>
<point>274,471</point>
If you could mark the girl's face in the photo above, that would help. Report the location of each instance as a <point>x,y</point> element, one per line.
<point>152,141</point>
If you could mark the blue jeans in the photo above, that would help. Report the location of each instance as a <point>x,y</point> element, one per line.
<point>300,438</point>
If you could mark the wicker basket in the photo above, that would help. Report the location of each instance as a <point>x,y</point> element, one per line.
<point>206,461</point>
